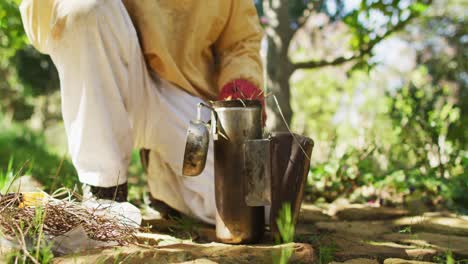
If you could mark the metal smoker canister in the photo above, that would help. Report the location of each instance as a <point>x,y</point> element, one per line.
<point>236,122</point>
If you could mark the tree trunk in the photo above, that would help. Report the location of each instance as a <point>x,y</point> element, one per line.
<point>278,74</point>
<point>279,67</point>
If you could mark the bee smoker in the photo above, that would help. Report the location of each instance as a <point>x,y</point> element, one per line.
<point>243,168</point>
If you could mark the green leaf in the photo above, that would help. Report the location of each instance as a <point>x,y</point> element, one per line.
<point>418,7</point>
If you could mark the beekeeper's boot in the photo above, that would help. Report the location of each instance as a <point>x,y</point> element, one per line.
<point>116,193</point>
<point>112,202</point>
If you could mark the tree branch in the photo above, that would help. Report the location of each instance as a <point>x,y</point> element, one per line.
<point>367,49</point>
<point>323,63</point>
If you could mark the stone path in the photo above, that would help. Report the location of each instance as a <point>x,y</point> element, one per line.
<point>360,231</point>
<point>335,233</point>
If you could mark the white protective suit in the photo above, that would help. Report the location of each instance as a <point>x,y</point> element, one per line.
<point>111,103</point>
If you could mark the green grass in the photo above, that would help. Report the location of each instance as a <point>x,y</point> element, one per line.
<point>405,230</point>
<point>448,258</point>
<point>6,177</point>
<point>326,254</point>
<point>22,148</point>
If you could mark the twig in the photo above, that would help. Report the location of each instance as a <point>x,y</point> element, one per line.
<point>41,230</point>
<point>17,175</point>
<point>289,129</point>
<point>57,173</point>
<point>23,244</point>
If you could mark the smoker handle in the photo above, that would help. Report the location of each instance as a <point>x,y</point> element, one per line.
<point>214,118</point>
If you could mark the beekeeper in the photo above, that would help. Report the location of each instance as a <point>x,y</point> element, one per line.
<point>131,74</point>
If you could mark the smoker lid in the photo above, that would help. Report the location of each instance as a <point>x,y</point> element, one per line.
<point>236,103</point>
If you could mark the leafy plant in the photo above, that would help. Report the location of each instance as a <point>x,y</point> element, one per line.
<point>450,259</point>
<point>34,248</point>
<point>286,229</point>
<point>285,224</point>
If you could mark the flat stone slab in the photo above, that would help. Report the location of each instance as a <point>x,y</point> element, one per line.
<point>341,209</point>
<point>457,244</point>
<point>198,261</point>
<point>311,214</point>
<point>351,248</point>
<point>404,261</point>
<point>359,212</point>
<point>357,261</point>
<point>193,253</point>
<point>414,238</point>
<point>6,247</point>
<point>357,229</point>
<point>443,223</point>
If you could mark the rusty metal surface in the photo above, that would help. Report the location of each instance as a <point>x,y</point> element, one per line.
<point>236,222</point>
<point>290,167</point>
<point>196,146</point>
<point>257,172</point>
<point>196,149</point>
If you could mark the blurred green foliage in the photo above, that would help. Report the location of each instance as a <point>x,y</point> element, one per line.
<point>393,144</point>
<point>24,73</point>
<point>407,151</point>
<point>12,36</point>
<point>28,152</point>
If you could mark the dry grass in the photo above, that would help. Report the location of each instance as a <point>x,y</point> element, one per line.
<point>60,217</point>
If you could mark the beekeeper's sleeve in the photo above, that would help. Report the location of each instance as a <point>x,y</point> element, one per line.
<point>238,46</point>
